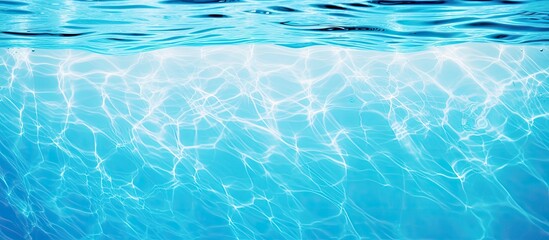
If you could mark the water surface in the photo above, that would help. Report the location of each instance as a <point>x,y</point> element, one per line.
<point>123,27</point>
<point>182,119</point>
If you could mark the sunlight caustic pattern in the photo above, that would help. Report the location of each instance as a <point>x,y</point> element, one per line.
<point>270,142</point>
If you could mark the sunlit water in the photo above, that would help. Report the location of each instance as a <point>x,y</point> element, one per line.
<point>274,120</point>
<point>122,27</point>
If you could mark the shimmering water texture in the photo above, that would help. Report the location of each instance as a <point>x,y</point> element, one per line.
<point>269,142</point>
<point>124,27</point>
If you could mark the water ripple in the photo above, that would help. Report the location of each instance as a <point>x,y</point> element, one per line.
<point>376,25</point>
<point>267,142</point>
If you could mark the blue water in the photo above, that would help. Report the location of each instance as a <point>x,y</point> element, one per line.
<point>126,27</point>
<point>176,119</point>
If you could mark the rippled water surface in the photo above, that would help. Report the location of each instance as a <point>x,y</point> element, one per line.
<point>118,26</point>
<point>200,119</point>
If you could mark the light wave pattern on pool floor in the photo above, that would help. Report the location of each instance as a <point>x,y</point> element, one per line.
<point>270,142</point>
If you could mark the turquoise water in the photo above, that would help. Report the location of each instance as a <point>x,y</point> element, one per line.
<point>128,27</point>
<point>274,120</point>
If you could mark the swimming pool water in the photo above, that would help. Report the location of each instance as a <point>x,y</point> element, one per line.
<point>124,27</point>
<point>274,120</point>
